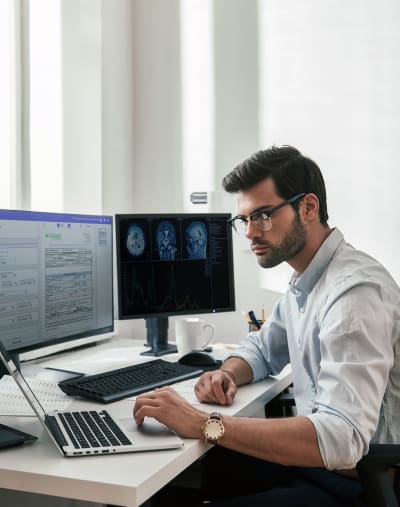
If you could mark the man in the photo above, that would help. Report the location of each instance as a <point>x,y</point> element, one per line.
<point>338,325</point>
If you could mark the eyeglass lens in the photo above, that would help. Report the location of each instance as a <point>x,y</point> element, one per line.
<point>261,221</point>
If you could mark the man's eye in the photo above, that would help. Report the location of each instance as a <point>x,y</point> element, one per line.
<point>260,216</point>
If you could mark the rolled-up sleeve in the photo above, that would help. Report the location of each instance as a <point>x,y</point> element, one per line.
<point>356,357</point>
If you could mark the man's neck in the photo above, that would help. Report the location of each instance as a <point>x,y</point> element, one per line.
<point>314,242</point>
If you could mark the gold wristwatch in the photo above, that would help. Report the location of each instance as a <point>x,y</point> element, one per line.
<point>213,429</point>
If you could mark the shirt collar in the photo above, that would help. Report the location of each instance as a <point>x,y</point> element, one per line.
<point>307,280</point>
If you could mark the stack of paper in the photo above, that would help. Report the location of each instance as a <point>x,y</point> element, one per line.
<point>13,402</point>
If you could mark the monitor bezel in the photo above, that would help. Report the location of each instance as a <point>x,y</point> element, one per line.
<point>81,338</point>
<point>183,215</point>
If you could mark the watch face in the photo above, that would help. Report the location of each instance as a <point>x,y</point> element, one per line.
<point>214,429</point>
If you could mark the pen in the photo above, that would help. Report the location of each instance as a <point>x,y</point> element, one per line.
<point>262,314</point>
<point>254,320</point>
<point>247,317</point>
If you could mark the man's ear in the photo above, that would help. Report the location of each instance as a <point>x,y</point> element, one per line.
<point>310,207</point>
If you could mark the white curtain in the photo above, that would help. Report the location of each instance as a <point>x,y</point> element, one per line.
<point>8,104</point>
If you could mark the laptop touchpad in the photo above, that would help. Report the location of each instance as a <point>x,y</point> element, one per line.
<point>151,435</point>
<point>150,427</point>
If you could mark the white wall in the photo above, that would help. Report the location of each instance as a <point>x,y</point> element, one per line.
<point>330,85</point>
<point>320,75</point>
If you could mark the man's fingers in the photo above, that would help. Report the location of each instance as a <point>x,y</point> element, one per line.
<point>144,411</point>
<point>210,389</point>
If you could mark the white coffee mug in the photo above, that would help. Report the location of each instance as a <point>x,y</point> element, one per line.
<point>193,334</point>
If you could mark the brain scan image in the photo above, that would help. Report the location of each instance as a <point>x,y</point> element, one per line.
<point>135,240</point>
<point>166,241</point>
<point>196,240</point>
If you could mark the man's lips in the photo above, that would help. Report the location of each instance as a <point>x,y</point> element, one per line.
<point>259,248</point>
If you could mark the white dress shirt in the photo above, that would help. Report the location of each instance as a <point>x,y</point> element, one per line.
<point>338,325</point>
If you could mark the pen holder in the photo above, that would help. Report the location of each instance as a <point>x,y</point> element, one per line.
<point>252,327</point>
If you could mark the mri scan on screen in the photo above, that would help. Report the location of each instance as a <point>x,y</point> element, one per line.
<point>166,241</point>
<point>196,240</point>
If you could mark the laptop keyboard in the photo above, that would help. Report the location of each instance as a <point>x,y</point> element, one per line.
<point>139,378</point>
<point>91,429</point>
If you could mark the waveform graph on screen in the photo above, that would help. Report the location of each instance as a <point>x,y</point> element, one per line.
<point>165,287</point>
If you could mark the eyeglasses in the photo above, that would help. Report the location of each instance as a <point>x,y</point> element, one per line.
<point>261,218</point>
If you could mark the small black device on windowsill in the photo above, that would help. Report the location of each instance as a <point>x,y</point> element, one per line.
<point>11,437</point>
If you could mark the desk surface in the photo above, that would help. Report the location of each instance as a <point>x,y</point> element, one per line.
<point>126,479</point>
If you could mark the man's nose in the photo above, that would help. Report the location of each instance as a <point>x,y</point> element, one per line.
<point>252,231</point>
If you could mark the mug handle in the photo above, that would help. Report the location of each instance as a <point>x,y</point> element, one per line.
<point>211,337</point>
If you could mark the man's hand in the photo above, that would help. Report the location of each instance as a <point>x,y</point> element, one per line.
<point>216,387</point>
<point>169,408</point>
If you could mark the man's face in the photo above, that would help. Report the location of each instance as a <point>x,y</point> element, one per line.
<point>288,235</point>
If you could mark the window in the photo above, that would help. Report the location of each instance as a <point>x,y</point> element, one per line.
<point>45,99</point>
<point>7,104</point>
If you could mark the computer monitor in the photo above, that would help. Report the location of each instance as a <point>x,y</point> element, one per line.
<point>173,264</point>
<point>56,279</point>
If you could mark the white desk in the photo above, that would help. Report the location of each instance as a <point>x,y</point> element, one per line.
<point>123,480</point>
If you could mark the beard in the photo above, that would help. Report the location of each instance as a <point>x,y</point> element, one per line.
<point>291,245</point>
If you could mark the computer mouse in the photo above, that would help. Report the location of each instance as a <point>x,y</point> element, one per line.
<point>198,358</point>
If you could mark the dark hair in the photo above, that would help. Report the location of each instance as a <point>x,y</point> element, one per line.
<point>292,173</point>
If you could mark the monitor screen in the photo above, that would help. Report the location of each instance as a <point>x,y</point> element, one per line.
<point>173,264</point>
<point>56,278</point>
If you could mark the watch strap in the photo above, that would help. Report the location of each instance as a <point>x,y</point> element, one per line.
<point>215,415</point>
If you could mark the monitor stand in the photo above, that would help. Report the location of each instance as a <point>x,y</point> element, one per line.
<point>157,337</point>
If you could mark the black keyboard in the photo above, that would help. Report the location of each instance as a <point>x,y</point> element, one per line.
<point>118,384</point>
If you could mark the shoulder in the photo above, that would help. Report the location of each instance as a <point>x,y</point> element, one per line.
<point>354,269</point>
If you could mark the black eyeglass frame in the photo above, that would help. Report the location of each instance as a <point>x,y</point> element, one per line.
<point>267,212</point>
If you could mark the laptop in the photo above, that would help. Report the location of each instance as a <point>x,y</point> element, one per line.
<point>93,432</point>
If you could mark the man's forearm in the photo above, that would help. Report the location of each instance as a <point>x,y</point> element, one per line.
<point>287,441</point>
<point>240,370</point>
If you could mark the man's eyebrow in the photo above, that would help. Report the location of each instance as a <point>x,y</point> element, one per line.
<point>266,207</point>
